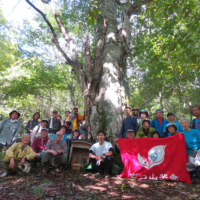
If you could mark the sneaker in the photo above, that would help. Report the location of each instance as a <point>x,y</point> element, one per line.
<point>107,176</point>
<point>4,175</point>
<point>97,174</point>
<point>58,170</point>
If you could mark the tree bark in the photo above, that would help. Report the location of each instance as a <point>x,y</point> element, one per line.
<point>101,80</point>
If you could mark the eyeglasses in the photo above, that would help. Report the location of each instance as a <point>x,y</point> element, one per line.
<point>60,135</point>
<point>129,132</point>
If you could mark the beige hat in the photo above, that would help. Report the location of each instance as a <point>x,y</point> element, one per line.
<point>193,106</point>
<point>136,109</point>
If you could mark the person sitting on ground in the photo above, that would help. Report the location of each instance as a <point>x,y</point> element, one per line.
<point>63,130</point>
<point>171,129</point>
<point>192,140</point>
<point>159,123</point>
<point>67,114</point>
<point>100,154</point>
<point>55,153</point>
<point>31,124</point>
<point>128,123</point>
<point>143,115</point>
<point>195,111</point>
<point>38,128</point>
<point>145,130</point>
<point>16,156</point>
<point>171,117</point>
<point>9,129</point>
<point>129,134</point>
<point>155,134</point>
<point>39,145</point>
<point>54,124</point>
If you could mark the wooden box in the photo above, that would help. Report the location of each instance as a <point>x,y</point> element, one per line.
<point>76,166</point>
<point>79,147</point>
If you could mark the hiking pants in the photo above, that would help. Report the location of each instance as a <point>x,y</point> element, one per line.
<point>104,167</point>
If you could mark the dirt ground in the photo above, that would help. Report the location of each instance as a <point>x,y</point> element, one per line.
<point>72,184</point>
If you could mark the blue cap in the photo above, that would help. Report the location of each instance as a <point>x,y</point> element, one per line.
<point>159,110</point>
<point>143,111</point>
<point>170,124</point>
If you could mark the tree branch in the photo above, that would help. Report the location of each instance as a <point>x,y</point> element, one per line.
<point>134,9</point>
<point>63,30</point>
<point>55,39</point>
<point>120,3</point>
<point>89,61</point>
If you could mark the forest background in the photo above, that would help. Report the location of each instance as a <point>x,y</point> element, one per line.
<point>162,66</point>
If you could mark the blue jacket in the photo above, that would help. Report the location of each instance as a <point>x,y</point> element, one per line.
<point>156,125</point>
<point>192,140</point>
<point>128,123</point>
<point>63,139</point>
<point>197,124</point>
<point>178,126</point>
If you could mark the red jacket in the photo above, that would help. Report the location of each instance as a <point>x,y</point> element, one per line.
<point>39,145</point>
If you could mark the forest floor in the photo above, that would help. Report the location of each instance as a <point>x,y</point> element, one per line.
<point>76,185</point>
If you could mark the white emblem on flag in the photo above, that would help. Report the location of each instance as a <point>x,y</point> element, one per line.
<point>173,177</point>
<point>155,157</point>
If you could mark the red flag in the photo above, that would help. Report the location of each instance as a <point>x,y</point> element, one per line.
<point>155,159</point>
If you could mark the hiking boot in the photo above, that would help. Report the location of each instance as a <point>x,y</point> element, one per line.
<point>4,175</point>
<point>58,170</point>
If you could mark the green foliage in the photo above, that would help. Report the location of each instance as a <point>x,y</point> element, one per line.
<point>166,55</point>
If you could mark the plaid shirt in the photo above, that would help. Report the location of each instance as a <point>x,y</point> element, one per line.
<point>53,145</point>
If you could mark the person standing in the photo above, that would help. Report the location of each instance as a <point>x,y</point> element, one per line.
<point>171,117</point>
<point>31,124</point>
<point>136,114</point>
<point>128,123</point>
<point>67,114</point>
<point>75,118</point>
<point>159,123</point>
<point>143,116</point>
<point>54,124</point>
<point>9,129</point>
<point>195,111</point>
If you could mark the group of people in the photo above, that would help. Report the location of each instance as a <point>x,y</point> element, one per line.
<point>49,138</point>
<point>44,141</point>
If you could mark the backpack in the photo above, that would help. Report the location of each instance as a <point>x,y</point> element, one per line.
<point>193,124</point>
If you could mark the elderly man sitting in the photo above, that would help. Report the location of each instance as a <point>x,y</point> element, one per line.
<point>55,153</point>
<point>16,156</point>
<point>39,145</point>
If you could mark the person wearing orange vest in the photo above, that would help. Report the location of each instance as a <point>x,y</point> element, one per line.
<point>77,118</point>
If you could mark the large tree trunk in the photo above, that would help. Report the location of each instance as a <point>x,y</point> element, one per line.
<point>101,79</point>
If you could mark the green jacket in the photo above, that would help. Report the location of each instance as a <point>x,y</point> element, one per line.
<point>140,133</point>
